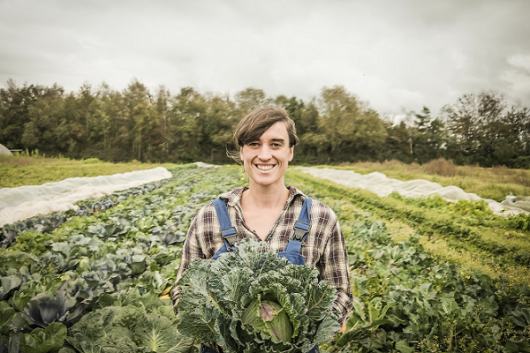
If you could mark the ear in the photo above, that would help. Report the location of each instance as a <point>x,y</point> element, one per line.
<point>291,153</point>
<point>241,154</point>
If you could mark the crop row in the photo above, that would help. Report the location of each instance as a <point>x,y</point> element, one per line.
<point>490,241</point>
<point>474,213</point>
<point>47,223</point>
<point>93,284</point>
<point>408,302</point>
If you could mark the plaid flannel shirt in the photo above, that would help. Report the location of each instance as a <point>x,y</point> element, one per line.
<point>323,248</point>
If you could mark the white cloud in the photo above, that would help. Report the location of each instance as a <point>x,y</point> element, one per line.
<point>518,77</point>
<point>395,55</point>
<point>520,61</point>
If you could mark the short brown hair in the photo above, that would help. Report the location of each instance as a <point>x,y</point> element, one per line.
<point>252,126</point>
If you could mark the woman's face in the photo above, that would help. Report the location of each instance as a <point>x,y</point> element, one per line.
<point>266,159</point>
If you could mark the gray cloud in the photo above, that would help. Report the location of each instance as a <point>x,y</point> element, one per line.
<point>394,54</point>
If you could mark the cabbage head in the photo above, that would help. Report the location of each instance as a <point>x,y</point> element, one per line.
<point>252,301</point>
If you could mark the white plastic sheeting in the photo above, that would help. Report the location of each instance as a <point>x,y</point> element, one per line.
<point>205,165</point>
<point>381,185</point>
<point>27,201</point>
<point>4,150</point>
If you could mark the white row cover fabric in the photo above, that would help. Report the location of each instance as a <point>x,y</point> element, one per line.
<point>205,165</point>
<point>4,150</point>
<point>381,185</point>
<point>27,201</point>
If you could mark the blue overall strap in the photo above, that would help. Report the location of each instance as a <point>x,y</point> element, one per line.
<point>302,226</point>
<point>228,232</point>
<point>301,229</point>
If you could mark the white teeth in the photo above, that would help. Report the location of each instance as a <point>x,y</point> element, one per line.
<point>264,167</point>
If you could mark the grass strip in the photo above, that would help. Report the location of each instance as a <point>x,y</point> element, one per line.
<point>19,171</point>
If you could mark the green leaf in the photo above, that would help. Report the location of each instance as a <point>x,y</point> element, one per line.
<point>377,323</point>
<point>43,340</point>
<point>66,349</point>
<point>448,305</point>
<point>8,284</point>
<point>157,333</point>
<point>199,324</point>
<point>6,314</point>
<point>358,308</point>
<point>489,305</point>
<point>520,346</point>
<point>355,334</point>
<point>327,329</point>
<point>18,322</point>
<point>184,344</point>
<point>138,264</point>
<point>374,308</point>
<point>63,248</point>
<point>403,347</point>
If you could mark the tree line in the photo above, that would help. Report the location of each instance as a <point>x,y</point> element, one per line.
<point>334,127</point>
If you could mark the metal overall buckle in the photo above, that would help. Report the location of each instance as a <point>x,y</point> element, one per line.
<point>300,233</point>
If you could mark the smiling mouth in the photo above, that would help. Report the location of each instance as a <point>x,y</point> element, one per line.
<point>264,167</point>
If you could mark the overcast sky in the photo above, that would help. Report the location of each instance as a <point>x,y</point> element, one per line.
<point>397,55</point>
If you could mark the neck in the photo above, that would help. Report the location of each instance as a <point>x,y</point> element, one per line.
<point>267,196</point>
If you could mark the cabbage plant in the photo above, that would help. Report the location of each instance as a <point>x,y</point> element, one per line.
<point>252,301</point>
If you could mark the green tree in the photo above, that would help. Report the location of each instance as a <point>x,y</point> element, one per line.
<point>47,129</point>
<point>397,142</point>
<point>15,103</point>
<point>250,99</point>
<point>463,124</point>
<point>429,137</point>
<point>347,128</point>
<point>141,117</point>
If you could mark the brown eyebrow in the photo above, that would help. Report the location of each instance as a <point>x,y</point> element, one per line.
<point>273,140</point>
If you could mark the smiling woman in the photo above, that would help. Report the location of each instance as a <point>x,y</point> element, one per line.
<point>283,219</point>
<point>266,159</point>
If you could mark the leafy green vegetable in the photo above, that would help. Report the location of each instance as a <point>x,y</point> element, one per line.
<point>43,340</point>
<point>46,308</point>
<point>127,329</point>
<point>8,284</point>
<point>270,318</point>
<point>253,301</point>
<point>6,313</point>
<point>157,333</point>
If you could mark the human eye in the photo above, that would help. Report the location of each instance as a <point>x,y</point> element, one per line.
<point>253,144</point>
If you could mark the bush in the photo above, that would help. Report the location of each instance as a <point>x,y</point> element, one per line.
<point>91,161</point>
<point>441,167</point>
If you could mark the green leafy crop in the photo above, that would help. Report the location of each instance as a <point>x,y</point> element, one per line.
<point>252,301</point>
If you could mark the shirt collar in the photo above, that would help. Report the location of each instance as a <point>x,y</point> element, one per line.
<point>234,196</point>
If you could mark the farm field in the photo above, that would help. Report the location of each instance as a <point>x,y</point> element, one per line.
<point>24,170</point>
<point>428,276</point>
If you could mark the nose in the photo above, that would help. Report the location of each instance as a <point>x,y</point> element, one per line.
<point>265,152</point>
